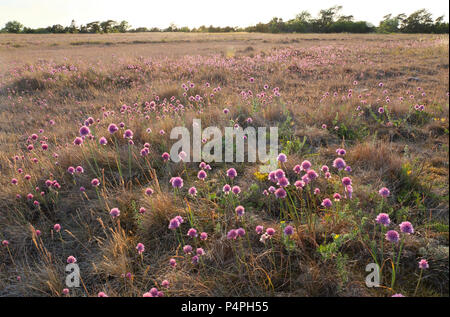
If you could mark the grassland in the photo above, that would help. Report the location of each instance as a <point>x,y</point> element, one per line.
<point>361,93</point>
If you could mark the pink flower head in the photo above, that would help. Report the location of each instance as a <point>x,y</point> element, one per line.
<point>392,236</point>
<point>232,234</point>
<point>306,165</point>
<point>115,212</point>
<point>299,184</point>
<point>187,249</point>
<point>279,173</point>
<point>240,232</point>
<point>282,158</point>
<point>78,141</point>
<point>240,210</point>
<point>177,182</point>
<point>259,229</point>
<point>327,203</point>
<point>270,231</point>
<point>280,193</point>
<point>312,174</point>
<point>112,128</point>
<point>346,181</point>
<point>339,163</point>
<point>149,191</point>
<point>202,175</point>
<point>231,173</point>
<point>192,233</point>
<point>423,264</point>
<point>71,259</point>
<point>384,192</point>
<point>103,141</point>
<point>226,188</point>
<point>84,130</point>
<point>383,219</point>
<point>283,182</point>
<point>236,190</point>
<point>193,191</point>
<point>174,223</point>
<point>165,156</point>
<point>406,227</point>
<point>288,230</point>
<point>140,248</point>
<point>165,283</point>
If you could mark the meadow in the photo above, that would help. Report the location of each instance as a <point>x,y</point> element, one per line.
<point>86,177</point>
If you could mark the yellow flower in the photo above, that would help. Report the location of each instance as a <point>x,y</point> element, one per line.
<point>260,176</point>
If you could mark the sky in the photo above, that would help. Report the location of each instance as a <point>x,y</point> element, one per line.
<point>194,13</point>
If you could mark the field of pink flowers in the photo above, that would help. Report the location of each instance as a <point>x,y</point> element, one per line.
<point>362,175</point>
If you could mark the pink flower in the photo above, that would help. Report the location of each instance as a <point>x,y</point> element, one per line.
<point>57,227</point>
<point>231,173</point>
<point>259,229</point>
<point>384,192</point>
<point>115,212</point>
<point>270,231</point>
<point>192,233</point>
<point>193,191</point>
<point>202,175</point>
<point>327,203</point>
<point>423,264</point>
<point>148,191</point>
<point>165,156</point>
<point>140,248</point>
<point>240,211</point>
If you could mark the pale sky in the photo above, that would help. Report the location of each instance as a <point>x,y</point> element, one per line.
<point>194,13</point>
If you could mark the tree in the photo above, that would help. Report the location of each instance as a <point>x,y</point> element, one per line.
<point>13,27</point>
<point>303,17</point>
<point>123,27</point>
<point>417,22</point>
<point>108,26</point>
<point>327,17</point>
<point>72,28</point>
<point>93,27</point>
<point>389,24</point>
<point>57,28</point>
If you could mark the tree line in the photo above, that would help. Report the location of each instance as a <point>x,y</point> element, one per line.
<point>328,21</point>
